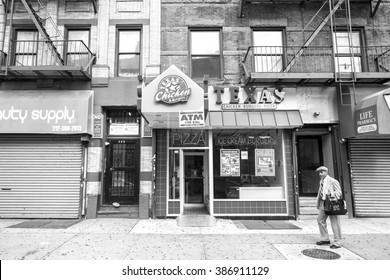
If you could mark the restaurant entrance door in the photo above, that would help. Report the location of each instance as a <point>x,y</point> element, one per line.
<point>194,178</point>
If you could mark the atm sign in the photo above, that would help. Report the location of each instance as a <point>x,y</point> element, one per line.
<point>191,119</point>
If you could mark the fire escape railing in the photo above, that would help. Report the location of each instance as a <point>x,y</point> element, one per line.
<point>315,59</point>
<point>37,53</point>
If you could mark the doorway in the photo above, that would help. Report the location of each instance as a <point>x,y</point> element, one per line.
<point>194,178</point>
<point>121,173</point>
<point>310,157</point>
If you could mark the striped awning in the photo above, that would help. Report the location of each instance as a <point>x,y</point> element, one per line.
<point>254,119</point>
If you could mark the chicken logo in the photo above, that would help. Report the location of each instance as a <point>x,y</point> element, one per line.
<point>172,89</point>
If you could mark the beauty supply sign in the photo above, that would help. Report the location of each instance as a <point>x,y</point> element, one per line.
<point>51,112</point>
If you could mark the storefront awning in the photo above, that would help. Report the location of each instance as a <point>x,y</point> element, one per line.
<point>248,119</point>
<point>372,115</point>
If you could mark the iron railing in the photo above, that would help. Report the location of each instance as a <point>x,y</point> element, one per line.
<point>32,53</point>
<point>266,59</point>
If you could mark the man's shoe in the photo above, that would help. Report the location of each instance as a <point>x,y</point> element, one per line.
<point>323,242</point>
<point>334,246</point>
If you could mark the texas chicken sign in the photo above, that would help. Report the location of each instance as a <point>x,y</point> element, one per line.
<point>173,100</point>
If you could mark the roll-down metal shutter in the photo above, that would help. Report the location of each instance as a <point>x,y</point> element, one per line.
<point>40,178</point>
<point>370,165</point>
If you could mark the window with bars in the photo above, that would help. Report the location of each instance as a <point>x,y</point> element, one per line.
<point>123,122</point>
<point>26,48</point>
<point>268,50</point>
<point>348,51</point>
<point>77,52</point>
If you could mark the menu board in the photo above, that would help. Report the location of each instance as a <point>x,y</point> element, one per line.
<point>265,162</point>
<point>230,162</point>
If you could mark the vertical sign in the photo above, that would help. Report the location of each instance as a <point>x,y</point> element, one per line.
<point>230,162</point>
<point>97,126</point>
<point>265,162</point>
<point>366,120</point>
<point>146,128</point>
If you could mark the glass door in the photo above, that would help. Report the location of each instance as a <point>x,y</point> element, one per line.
<point>194,178</point>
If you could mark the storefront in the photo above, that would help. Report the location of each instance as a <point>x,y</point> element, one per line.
<point>370,156</point>
<point>228,150</point>
<point>43,137</point>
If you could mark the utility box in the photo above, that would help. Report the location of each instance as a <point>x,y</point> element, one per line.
<point>144,206</point>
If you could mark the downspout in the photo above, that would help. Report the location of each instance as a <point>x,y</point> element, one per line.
<point>3,22</point>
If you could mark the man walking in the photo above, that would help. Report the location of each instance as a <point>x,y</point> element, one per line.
<point>331,187</point>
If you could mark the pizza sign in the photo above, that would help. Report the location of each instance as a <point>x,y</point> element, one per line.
<point>172,89</point>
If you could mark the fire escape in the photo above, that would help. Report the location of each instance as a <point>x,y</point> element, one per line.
<point>299,62</point>
<point>50,56</point>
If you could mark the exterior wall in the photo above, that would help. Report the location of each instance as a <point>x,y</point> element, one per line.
<point>109,91</point>
<point>160,194</point>
<point>115,92</point>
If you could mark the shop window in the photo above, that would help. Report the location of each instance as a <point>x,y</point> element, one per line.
<point>123,122</point>
<point>26,48</point>
<point>248,165</point>
<point>268,51</point>
<point>128,53</point>
<point>205,54</point>
<point>348,51</point>
<point>77,46</point>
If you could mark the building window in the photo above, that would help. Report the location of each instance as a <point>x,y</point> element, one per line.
<point>26,48</point>
<point>128,53</point>
<point>248,165</point>
<point>206,54</point>
<point>348,51</point>
<point>268,51</point>
<point>77,46</point>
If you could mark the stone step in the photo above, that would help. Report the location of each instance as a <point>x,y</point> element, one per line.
<point>123,211</point>
<point>308,211</point>
<point>196,221</point>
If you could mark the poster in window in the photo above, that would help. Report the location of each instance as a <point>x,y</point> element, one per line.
<point>230,162</point>
<point>265,162</point>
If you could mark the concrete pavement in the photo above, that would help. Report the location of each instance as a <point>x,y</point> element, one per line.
<point>131,239</point>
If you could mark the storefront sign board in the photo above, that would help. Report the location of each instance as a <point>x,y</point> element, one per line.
<point>49,112</point>
<point>188,138</point>
<point>367,120</point>
<point>169,94</point>
<point>124,129</point>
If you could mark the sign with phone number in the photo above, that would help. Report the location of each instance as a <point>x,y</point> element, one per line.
<point>66,128</point>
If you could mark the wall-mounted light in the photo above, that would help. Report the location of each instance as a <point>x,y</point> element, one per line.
<point>316,114</point>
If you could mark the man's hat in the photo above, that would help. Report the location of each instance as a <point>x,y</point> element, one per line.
<point>322,168</point>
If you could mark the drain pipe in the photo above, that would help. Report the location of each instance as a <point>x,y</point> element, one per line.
<point>3,22</point>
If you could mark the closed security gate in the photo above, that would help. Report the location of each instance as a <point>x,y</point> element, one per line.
<point>370,165</point>
<point>40,178</point>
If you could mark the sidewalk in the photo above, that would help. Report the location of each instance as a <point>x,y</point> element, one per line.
<point>131,239</point>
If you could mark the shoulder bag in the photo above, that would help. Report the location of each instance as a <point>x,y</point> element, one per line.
<point>335,207</point>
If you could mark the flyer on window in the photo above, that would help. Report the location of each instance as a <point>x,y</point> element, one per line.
<point>265,162</point>
<point>230,162</point>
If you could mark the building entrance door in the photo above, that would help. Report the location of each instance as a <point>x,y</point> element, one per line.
<point>121,174</point>
<point>309,154</point>
<point>194,178</point>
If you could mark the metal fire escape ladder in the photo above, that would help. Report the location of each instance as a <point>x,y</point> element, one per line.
<point>346,80</point>
<point>314,34</point>
<point>38,21</point>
